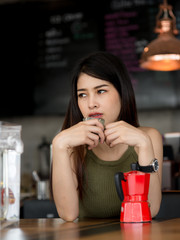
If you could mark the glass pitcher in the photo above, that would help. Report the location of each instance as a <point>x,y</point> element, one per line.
<point>11,148</point>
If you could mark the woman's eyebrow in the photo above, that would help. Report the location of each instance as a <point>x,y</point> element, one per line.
<point>81,90</point>
<point>99,86</point>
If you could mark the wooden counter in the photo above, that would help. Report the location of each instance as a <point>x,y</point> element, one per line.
<point>91,229</point>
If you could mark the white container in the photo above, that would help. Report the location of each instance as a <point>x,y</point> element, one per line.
<point>11,148</point>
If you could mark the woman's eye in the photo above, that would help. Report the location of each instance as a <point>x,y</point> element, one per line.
<point>101,91</point>
<point>82,95</point>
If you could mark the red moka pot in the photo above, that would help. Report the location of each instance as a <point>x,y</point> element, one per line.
<point>132,188</point>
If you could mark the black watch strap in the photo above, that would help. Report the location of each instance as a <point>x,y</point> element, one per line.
<point>147,169</point>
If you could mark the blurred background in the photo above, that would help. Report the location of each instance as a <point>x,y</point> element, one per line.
<point>40,42</point>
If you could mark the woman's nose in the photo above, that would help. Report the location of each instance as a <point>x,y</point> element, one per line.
<point>92,102</point>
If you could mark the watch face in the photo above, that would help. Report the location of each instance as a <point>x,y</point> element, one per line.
<point>155,165</point>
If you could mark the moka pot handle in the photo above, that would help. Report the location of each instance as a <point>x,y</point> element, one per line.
<point>118,178</point>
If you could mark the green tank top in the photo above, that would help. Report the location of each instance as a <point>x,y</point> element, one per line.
<point>100,199</point>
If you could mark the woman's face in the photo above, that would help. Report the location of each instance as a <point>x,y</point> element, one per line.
<point>98,98</point>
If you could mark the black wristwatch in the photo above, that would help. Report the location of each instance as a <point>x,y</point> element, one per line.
<point>153,167</point>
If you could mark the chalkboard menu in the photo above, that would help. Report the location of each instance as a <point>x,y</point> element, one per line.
<point>40,42</point>
<point>64,39</point>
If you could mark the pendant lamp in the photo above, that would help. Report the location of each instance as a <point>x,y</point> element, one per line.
<point>163,53</point>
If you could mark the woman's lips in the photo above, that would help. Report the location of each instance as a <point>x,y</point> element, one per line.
<point>96,115</point>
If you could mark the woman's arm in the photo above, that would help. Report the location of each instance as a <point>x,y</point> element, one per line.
<point>64,181</point>
<point>64,184</point>
<point>156,151</point>
<point>148,145</point>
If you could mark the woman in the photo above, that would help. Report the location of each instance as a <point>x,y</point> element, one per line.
<point>86,154</point>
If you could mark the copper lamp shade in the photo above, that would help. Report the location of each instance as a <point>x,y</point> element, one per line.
<point>163,53</point>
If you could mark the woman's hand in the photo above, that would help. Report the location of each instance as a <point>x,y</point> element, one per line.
<point>89,132</point>
<point>140,138</point>
<point>124,133</point>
